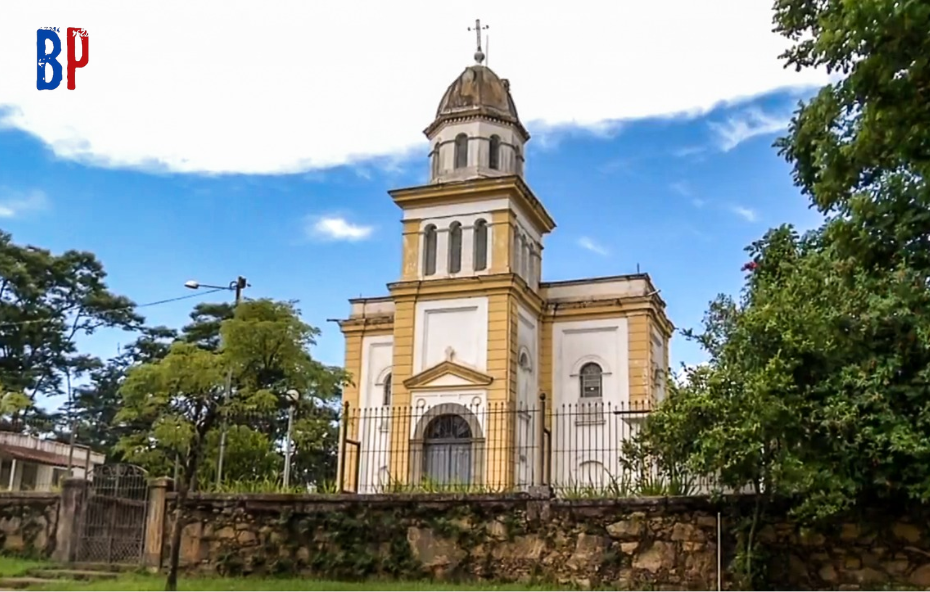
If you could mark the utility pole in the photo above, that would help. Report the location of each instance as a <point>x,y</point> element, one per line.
<point>293,397</point>
<point>237,287</point>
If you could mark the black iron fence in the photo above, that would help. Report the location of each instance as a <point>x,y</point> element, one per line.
<point>578,450</point>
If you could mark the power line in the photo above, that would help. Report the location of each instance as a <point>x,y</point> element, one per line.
<point>134,306</point>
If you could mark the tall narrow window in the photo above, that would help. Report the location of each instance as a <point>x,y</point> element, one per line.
<point>455,247</point>
<point>516,252</point>
<point>517,160</point>
<point>592,381</point>
<point>481,245</point>
<point>461,151</point>
<point>435,163</point>
<point>387,390</point>
<point>530,266</point>
<point>494,155</point>
<point>429,250</point>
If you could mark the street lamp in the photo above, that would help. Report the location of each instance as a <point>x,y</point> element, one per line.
<point>237,286</point>
<point>292,398</point>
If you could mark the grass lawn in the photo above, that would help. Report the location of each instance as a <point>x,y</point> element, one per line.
<point>151,582</point>
<point>11,567</point>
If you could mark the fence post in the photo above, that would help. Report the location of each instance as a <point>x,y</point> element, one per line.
<point>343,436</point>
<point>155,521</point>
<point>541,442</point>
<point>70,511</point>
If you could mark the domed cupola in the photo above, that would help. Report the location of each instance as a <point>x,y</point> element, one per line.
<point>477,132</point>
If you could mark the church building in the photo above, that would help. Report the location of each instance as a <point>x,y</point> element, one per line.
<point>453,370</point>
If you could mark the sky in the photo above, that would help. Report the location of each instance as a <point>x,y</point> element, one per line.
<point>210,139</point>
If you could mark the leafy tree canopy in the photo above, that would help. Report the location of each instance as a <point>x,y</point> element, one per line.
<point>816,387</point>
<point>46,301</point>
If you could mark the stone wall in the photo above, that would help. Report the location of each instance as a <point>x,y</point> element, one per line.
<point>664,543</point>
<point>484,537</point>
<point>28,523</point>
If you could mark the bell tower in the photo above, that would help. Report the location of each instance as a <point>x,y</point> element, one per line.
<point>477,132</point>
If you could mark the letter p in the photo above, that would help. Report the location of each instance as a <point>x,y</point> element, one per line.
<point>43,35</point>
<point>85,53</point>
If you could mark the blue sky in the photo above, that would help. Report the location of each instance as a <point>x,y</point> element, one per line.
<point>681,197</point>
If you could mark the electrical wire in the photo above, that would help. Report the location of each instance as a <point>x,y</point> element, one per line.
<point>132,307</point>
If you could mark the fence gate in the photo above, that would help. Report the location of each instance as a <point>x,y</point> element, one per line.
<point>111,528</point>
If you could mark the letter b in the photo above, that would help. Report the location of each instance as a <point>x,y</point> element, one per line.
<point>43,35</point>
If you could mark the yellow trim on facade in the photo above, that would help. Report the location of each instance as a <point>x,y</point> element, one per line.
<point>477,190</point>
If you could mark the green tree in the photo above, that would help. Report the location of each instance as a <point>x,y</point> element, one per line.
<point>13,405</point>
<point>817,384</point>
<point>182,400</point>
<point>251,456</point>
<point>206,320</point>
<point>268,326</point>
<point>93,410</point>
<point>46,302</point>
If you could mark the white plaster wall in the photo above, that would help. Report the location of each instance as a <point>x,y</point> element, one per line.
<point>586,433</point>
<point>527,399</point>
<point>372,307</point>
<point>616,288</point>
<point>374,418</point>
<point>460,323</point>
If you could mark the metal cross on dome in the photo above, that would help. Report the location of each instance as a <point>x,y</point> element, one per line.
<point>479,55</point>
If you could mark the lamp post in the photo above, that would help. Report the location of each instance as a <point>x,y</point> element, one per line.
<point>236,286</point>
<point>292,398</point>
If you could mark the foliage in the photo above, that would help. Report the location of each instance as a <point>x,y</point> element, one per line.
<point>267,484</point>
<point>46,302</point>
<point>816,385</point>
<point>92,413</point>
<point>12,407</point>
<point>268,346</point>
<point>206,320</point>
<point>250,457</point>
<point>184,398</point>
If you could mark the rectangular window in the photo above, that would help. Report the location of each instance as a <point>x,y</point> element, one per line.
<point>29,477</point>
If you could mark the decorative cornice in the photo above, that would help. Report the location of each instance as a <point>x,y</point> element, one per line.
<point>472,113</point>
<point>476,189</point>
<point>372,323</point>
<point>476,377</point>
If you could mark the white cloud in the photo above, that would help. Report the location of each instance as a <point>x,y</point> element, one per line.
<point>698,202</point>
<point>745,213</point>
<point>16,203</point>
<point>206,87</point>
<point>681,188</point>
<point>336,228</point>
<point>747,125</point>
<point>689,151</point>
<point>588,244</point>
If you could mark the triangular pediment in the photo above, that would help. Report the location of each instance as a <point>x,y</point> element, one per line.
<point>448,373</point>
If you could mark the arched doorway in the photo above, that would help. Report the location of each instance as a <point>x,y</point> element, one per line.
<point>447,450</point>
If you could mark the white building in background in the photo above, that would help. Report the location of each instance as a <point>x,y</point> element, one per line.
<point>28,463</point>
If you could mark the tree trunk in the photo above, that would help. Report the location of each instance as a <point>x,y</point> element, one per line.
<point>175,557</point>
